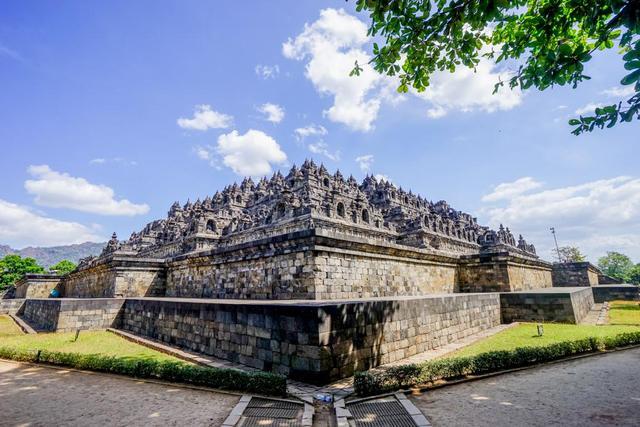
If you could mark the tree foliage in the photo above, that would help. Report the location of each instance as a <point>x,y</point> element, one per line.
<point>63,267</point>
<point>570,254</point>
<point>616,265</point>
<point>549,41</point>
<point>13,267</point>
<point>634,274</point>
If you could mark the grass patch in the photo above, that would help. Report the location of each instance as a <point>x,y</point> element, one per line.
<point>369,383</point>
<point>525,335</point>
<point>103,351</point>
<point>624,313</point>
<point>89,342</point>
<point>8,328</point>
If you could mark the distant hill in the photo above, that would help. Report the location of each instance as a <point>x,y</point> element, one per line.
<point>48,256</point>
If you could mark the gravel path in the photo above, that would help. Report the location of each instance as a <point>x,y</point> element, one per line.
<point>39,396</point>
<point>595,391</point>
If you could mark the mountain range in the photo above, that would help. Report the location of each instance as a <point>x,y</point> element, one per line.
<point>48,256</point>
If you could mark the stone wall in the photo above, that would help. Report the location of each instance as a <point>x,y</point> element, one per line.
<point>575,274</point>
<point>10,306</point>
<point>359,335</point>
<point>502,272</point>
<point>356,274</point>
<point>37,285</point>
<point>64,315</point>
<point>302,265</point>
<point>118,276</point>
<point>313,341</point>
<point>307,264</point>
<point>604,293</point>
<point>279,268</point>
<point>567,305</point>
<point>603,279</point>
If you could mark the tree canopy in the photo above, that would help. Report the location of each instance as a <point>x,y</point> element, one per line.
<point>634,274</point>
<point>570,254</point>
<point>616,265</point>
<point>63,267</point>
<point>548,41</point>
<point>13,267</point>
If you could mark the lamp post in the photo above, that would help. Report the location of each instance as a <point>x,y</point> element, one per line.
<point>553,231</point>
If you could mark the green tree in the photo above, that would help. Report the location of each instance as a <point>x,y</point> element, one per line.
<point>550,41</point>
<point>13,267</point>
<point>616,265</point>
<point>570,254</point>
<point>63,267</point>
<point>634,275</point>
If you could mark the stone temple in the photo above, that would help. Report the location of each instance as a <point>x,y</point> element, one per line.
<point>311,275</point>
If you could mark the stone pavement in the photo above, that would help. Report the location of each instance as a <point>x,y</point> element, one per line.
<point>43,396</point>
<point>603,317</point>
<point>595,314</point>
<point>592,391</point>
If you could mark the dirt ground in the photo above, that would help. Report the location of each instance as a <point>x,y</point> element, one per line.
<point>594,391</point>
<point>39,396</point>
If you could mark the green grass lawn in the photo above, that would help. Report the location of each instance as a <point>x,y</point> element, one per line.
<point>8,328</point>
<point>624,313</point>
<point>525,335</point>
<point>89,342</point>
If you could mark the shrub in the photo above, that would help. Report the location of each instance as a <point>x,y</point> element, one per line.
<point>175,371</point>
<point>397,377</point>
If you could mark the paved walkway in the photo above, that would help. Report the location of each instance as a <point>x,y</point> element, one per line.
<point>42,396</point>
<point>594,316</point>
<point>593,391</point>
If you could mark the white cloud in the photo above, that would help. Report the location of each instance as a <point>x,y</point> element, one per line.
<point>60,190</point>
<point>365,162</point>
<point>509,190</point>
<point>596,216</point>
<point>120,160</point>
<point>273,112</point>
<point>310,130</point>
<point>618,91</point>
<point>331,45</point>
<point>467,90</point>
<point>320,147</point>
<point>203,153</point>
<point>20,227</point>
<point>205,118</point>
<point>317,145</point>
<point>436,112</point>
<point>267,71</point>
<point>590,108</point>
<point>250,154</point>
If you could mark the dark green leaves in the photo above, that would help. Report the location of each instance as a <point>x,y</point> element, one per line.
<point>357,69</point>
<point>631,78</point>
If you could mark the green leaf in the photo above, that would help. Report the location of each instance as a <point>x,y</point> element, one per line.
<point>632,65</point>
<point>630,78</point>
<point>565,49</point>
<point>574,122</point>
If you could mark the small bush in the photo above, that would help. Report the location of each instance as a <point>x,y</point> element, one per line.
<point>369,383</point>
<point>226,379</point>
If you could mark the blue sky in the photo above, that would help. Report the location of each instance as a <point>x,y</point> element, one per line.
<point>110,111</point>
